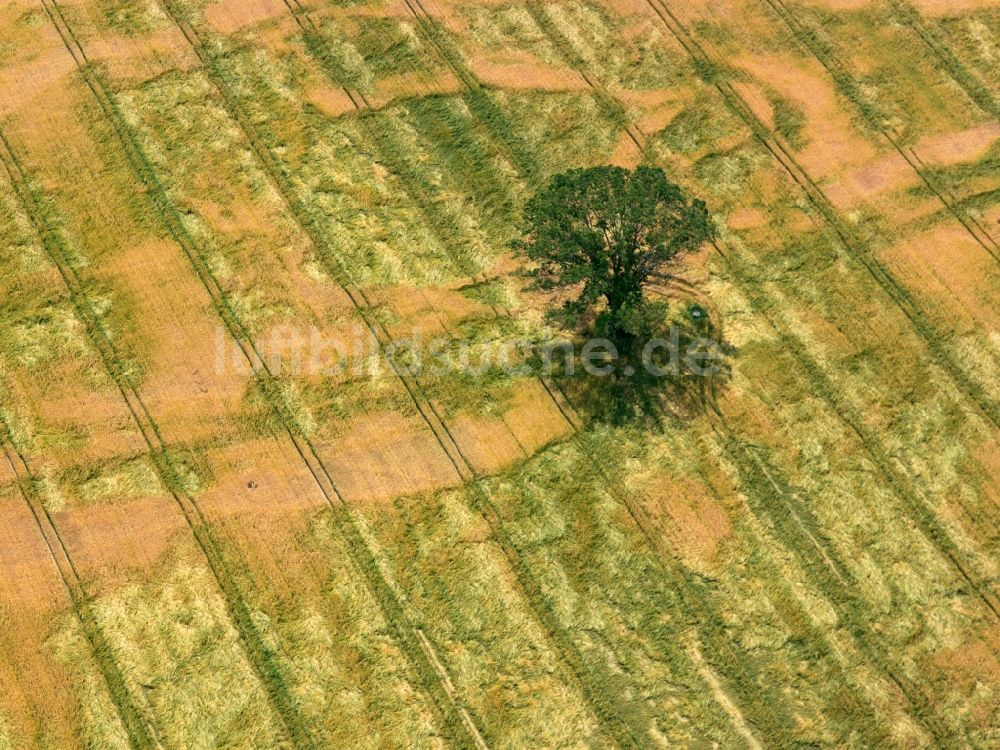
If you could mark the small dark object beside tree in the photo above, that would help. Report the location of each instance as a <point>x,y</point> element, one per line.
<point>608,231</point>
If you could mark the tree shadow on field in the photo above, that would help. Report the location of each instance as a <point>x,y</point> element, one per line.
<point>676,371</point>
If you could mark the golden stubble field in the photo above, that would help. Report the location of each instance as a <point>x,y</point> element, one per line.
<point>199,552</point>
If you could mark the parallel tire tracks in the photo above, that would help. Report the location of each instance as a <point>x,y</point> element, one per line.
<point>140,730</point>
<point>579,672</point>
<point>824,558</point>
<point>695,601</point>
<point>259,656</point>
<point>838,71</point>
<point>455,716</point>
<point>978,93</point>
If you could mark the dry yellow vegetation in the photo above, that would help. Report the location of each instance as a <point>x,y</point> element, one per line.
<point>199,552</point>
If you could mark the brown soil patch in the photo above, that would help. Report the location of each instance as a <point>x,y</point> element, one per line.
<point>37,695</point>
<point>952,148</point>
<point>534,419</point>
<point>131,61</point>
<point>81,424</point>
<point>331,101</point>
<point>834,145</point>
<point>430,311</point>
<point>288,565</point>
<point>626,153</point>
<point>6,478</point>
<point>487,442</point>
<point>37,78</point>
<point>264,476</point>
<point>988,457</point>
<point>943,8</point>
<point>527,76</point>
<point>30,579</point>
<point>746,218</point>
<point>653,122</point>
<point>892,172</point>
<point>889,172</point>
<point>628,8</point>
<point>974,661</point>
<point>841,5</point>
<point>236,218</point>
<point>973,669</point>
<point>951,268</point>
<point>447,13</point>
<point>189,384</point>
<point>692,521</point>
<point>229,16</point>
<point>114,539</point>
<point>530,422</point>
<point>383,456</point>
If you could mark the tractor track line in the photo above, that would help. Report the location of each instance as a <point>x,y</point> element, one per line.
<point>936,534</point>
<point>393,610</point>
<point>968,81</point>
<point>603,710</point>
<point>571,415</point>
<point>855,247</point>
<point>257,653</point>
<point>888,283</point>
<point>838,71</point>
<point>140,730</point>
<point>568,410</point>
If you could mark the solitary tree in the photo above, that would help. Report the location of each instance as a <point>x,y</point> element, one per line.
<point>602,233</point>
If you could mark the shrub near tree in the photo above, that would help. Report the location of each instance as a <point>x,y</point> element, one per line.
<point>600,235</point>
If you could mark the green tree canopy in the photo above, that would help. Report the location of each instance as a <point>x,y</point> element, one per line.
<point>608,231</point>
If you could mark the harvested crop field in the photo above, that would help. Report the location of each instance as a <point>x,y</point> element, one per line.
<point>239,510</point>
